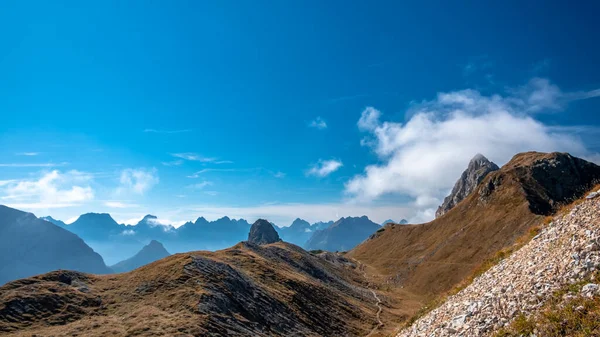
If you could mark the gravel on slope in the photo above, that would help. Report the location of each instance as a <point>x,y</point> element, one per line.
<point>564,252</point>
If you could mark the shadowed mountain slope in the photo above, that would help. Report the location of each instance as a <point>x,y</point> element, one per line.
<point>247,290</point>
<point>431,258</point>
<point>342,235</point>
<point>30,246</point>
<point>150,253</point>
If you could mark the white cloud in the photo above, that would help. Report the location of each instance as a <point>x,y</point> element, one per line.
<point>29,154</point>
<point>279,174</point>
<point>423,157</point>
<point>137,180</point>
<point>119,204</point>
<point>324,167</point>
<point>52,190</point>
<point>318,123</point>
<point>128,232</point>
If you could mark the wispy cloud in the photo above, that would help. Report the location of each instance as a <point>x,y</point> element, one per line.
<point>200,185</point>
<point>197,174</point>
<point>166,131</point>
<point>318,123</point>
<point>324,168</point>
<point>29,154</point>
<point>137,181</point>
<point>33,164</point>
<point>172,163</point>
<point>119,204</point>
<point>279,174</point>
<point>193,157</point>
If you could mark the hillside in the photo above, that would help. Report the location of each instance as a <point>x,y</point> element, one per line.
<point>30,246</point>
<point>150,253</point>
<point>431,258</point>
<point>246,290</point>
<point>558,266</point>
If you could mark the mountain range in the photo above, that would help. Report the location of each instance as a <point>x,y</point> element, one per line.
<point>386,274</point>
<point>151,252</point>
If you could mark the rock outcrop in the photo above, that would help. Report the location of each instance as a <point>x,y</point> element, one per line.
<point>479,167</point>
<point>262,233</point>
<point>565,252</point>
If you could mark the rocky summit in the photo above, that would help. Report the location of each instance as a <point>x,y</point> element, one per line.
<point>262,233</point>
<point>479,167</point>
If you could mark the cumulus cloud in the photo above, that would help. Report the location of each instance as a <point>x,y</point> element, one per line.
<point>137,180</point>
<point>53,189</point>
<point>324,168</point>
<point>423,157</point>
<point>318,123</point>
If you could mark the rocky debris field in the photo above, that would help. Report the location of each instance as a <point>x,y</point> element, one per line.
<point>564,252</point>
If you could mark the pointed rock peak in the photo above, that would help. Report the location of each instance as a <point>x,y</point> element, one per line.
<point>201,220</point>
<point>403,222</point>
<point>479,167</point>
<point>155,244</point>
<point>387,222</point>
<point>300,223</point>
<point>149,216</point>
<point>262,233</point>
<point>225,218</point>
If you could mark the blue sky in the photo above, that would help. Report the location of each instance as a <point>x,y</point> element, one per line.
<point>317,109</point>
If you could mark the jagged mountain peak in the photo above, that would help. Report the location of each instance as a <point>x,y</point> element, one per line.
<point>479,167</point>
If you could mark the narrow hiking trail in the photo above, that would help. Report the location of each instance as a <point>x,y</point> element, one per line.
<point>377,302</point>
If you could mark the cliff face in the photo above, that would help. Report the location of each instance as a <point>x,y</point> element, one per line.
<point>479,167</point>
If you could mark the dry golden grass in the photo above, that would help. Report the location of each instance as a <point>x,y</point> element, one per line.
<point>433,260</point>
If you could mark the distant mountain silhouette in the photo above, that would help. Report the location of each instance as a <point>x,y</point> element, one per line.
<point>96,227</point>
<point>297,233</point>
<point>150,253</point>
<point>342,235</point>
<point>31,246</point>
<point>54,221</point>
<point>401,222</point>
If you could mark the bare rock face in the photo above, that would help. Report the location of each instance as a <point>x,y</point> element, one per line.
<point>479,167</point>
<point>262,233</point>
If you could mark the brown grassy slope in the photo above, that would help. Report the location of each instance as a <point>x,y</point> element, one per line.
<point>246,290</point>
<point>431,258</point>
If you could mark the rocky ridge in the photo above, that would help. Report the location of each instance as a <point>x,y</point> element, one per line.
<point>566,251</point>
<point>479,167</point>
